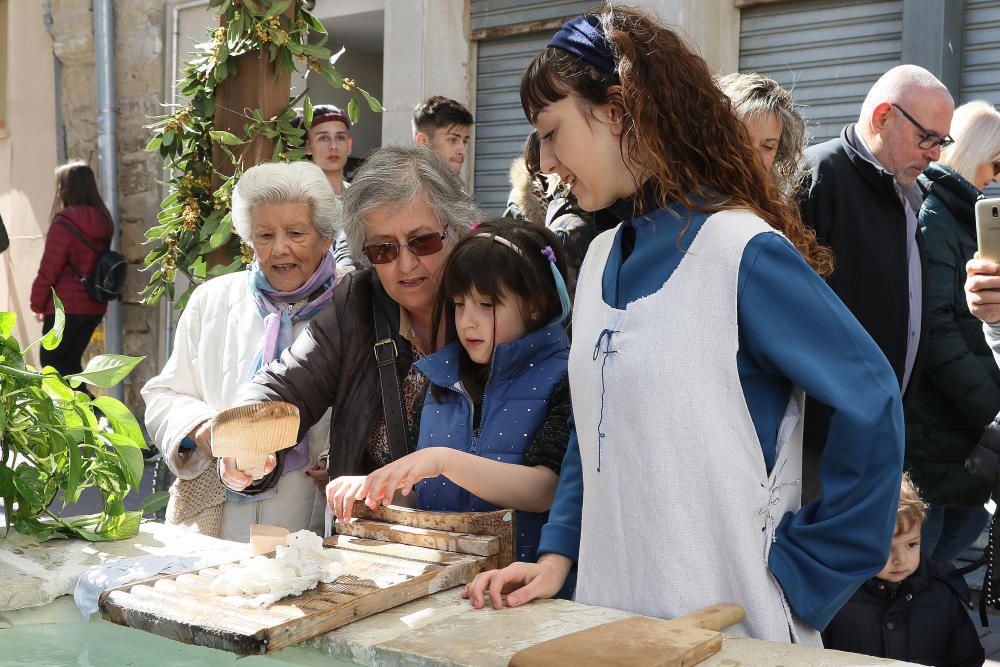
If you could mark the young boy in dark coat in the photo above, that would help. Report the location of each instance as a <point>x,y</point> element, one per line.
<point>914,609</point>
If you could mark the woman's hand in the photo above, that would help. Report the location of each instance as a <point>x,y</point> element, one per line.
<point>236,479</point>
<point>522,582</point>
<point>341,494</point>
<point>39,317</point>
<point>982,289</point>
<point>402,474</point>
<point>202,436</point>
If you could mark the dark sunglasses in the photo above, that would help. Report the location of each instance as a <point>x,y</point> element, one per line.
<point>425,244</point>
<point>930,139</point>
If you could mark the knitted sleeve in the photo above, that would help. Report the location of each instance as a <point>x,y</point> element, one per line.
<point>549,444</point>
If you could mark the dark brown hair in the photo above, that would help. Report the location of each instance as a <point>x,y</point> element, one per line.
<point>76,186</point>
<point>436,112</point>
<point>678,126</point>
<point>499,273</point>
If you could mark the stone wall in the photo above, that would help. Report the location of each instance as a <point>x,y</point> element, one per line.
<point>139,52</point>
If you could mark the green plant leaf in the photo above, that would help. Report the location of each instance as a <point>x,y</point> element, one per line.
<point>120,418</point>
<point>27,525</point>
<point>227,138</point>
<point>130,460</point>
<point>29,482</point>
<point>373,104</point>
<point>353,111</point>
<point>105,370</point>
<point>51,340</point>
<point>307,113</point>
<point>7,492</point>
<point>154,502</point>
<point>120,527</point>
<point>7,323</point>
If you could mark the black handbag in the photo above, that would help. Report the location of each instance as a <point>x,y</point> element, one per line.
<point>4,240</point>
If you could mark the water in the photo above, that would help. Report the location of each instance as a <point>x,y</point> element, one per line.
<point>108,645</point>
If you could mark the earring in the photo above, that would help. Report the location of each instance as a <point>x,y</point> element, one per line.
<point>534,316</point>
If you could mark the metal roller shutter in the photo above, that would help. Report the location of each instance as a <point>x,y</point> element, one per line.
<point>500,123</point>
<point>491,14</point>
<point>512,32</point>
<point>981,57</point>
<point>981,51</point>
<point>827,53</point>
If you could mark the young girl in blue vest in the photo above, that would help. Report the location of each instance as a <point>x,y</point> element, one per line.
<point>493,427</point>
<point>698,321</point>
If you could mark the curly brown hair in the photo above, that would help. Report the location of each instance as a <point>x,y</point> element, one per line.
<point>678,126</point>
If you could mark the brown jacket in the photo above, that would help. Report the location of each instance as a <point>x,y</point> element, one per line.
<point>332,365</point>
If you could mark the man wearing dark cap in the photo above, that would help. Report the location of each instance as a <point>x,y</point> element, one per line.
<point>444,125</point>
<point>328,144</point>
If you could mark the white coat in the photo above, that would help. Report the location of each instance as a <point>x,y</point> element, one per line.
<point>218,336</point>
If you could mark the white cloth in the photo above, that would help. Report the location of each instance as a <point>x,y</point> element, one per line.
<point>218,336</point>
<point>682,512</point>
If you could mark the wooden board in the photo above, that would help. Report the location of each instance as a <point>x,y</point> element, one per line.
<point>381,576</point>
<point>500,523</point>
<point>639,641</point>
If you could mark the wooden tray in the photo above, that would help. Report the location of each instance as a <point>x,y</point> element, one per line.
<point>383,574</point>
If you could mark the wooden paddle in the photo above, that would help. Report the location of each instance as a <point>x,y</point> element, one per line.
<point>639,641</point>
<point>251,432</point>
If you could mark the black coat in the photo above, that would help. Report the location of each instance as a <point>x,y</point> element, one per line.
<point>959,392</point>
<point>332,365</point>
<point>923,619</point>
<point>855,210</point>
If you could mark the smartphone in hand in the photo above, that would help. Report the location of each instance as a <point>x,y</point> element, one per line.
<point>988,228</point>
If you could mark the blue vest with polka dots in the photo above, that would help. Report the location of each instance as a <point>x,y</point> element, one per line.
<point>515,402</point>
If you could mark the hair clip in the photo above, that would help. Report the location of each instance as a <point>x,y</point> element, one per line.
<point>549,253</point>
<point>475,226</point>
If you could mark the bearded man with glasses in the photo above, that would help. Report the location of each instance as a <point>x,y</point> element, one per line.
<point>402,215</point>
<point>862,201</point>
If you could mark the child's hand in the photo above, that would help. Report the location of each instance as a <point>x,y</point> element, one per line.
<point>341,493</point>
<point>402,474</point>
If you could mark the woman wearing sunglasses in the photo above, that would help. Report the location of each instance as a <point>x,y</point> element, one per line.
<point>404,212</point>
<point>959,392</point>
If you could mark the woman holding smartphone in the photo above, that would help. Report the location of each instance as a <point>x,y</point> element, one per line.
<point>960,390</point>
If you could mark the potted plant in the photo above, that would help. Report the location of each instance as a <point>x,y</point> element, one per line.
<point>52,443</point>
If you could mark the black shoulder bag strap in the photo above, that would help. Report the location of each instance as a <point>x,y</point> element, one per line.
<point>392,395</point>
<point>75,232</point>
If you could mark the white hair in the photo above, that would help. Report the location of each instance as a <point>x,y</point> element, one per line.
<point>302,182</point>
<point>397,175</point>
<point>976,129</point>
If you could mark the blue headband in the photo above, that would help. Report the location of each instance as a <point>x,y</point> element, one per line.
<point>582,36</point>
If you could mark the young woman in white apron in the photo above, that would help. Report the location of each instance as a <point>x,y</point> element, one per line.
<point>700,320</point>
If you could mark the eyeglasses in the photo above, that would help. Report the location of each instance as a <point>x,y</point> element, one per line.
<point>930,139</point>
<point>425,244</point>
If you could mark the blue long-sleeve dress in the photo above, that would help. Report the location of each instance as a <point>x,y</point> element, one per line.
<point>793,331</point>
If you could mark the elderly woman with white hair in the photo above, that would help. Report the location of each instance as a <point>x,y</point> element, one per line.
<point>233,325</point>
<point>403,214</point>
<point>959,391</point>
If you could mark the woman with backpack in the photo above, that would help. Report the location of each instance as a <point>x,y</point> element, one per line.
<point>80,233</point>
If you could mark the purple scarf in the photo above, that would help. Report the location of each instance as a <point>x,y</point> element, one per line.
<point>280,311</point>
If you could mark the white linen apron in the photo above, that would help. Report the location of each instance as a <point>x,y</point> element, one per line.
<point>679,510</point>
